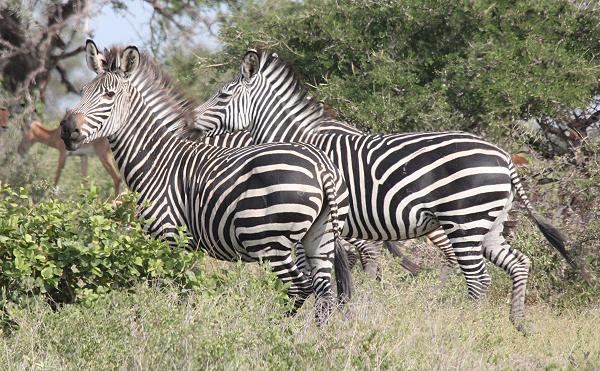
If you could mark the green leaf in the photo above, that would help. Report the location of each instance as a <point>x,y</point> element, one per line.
<point>47,272</point>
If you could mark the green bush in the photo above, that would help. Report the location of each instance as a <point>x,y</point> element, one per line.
<point>420,65</point>
<point>78,250</point>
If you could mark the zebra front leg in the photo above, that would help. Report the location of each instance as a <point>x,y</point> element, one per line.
<point>369,254</point>
<point>350,251</point>
<point>516,264</point>
<point>301,260</point>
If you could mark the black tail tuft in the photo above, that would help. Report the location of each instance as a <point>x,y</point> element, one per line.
<point>412,267</point>
<point>343,276</point>
<point>555,238</point>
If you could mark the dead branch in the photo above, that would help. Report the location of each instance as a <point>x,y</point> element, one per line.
<point>65,80</point>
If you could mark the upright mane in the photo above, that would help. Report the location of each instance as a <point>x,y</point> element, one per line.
<point>153,77</point>
<point>271,59</point>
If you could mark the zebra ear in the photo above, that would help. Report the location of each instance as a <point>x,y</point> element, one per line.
<point>94,59</point>
<point>250,64</point>
<point>130,60</point>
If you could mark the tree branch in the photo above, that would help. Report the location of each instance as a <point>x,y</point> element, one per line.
<point>65,80</point>
<point>70,54</point>
<point>160,9</point>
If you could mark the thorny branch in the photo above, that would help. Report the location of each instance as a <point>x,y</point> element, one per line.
<point>192,11</point>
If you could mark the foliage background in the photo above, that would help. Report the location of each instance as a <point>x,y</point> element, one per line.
<point>396,66</point>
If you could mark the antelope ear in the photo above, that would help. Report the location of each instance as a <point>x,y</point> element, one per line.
<point>130,60</point>
<point>250,64</point>
<point>94,59</point>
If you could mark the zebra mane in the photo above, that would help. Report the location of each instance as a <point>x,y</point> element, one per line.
<point>155,79</point>
<point>269,58</point>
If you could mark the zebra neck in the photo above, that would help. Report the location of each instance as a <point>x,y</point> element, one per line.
<point>147,149</point>
<point>141,155</point>
<point>292,121</point>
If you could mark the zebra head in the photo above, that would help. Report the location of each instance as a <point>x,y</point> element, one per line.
<point>105,100</point>
<point>267,98</point>
<point>230,109</point>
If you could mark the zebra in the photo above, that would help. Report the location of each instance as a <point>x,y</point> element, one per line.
<point>402,185</point>
<point>369,252</point>
<point>249,204</point>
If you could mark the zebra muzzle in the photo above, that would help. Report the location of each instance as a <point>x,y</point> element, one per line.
<point>70,133</point>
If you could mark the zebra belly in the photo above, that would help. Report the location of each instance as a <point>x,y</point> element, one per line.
<point>230,252</point>
<point>403,186</point>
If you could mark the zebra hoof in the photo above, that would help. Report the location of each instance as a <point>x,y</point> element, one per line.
<point>525,327</point>
<point>323,308</point>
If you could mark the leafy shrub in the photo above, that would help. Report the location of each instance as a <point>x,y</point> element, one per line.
<point>411,65</point>
<point>77,250</point>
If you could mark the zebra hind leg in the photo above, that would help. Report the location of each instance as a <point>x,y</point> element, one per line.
<point>288,272</point>
<point>468,251</point>
<point>516,264</point>
<point>439,239</point>
<point>319,248</point>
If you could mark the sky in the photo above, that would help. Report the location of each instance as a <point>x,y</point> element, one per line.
<point>108,27</point>
<point>129,27</point>
<point>119,27</point>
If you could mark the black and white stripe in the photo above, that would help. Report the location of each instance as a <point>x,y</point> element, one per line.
<point>368,252</point>
<point>401,186</point>
<point>248,204</point>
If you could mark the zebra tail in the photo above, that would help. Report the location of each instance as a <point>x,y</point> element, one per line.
<point>343,277</point>
<point>412,267</point>
<point>553,235</point>
<point>331,194</point>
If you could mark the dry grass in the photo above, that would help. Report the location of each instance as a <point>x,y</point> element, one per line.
<point>401,323</point>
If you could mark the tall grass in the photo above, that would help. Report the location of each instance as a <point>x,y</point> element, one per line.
<point>400,323</point>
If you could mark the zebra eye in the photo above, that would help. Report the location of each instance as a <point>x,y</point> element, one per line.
<point>224,94</point>
<point>109,94</point>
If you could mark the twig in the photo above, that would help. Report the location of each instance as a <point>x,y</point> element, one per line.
<point>65,80</point>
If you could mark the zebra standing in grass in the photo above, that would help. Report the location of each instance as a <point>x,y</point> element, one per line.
<point>369,252</point>
<point>248,204</point>
<point>401,186</point>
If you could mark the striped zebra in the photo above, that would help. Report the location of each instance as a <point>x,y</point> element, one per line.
<point>368,252</point>
<point>249,204</point>
<point>401,186</point>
